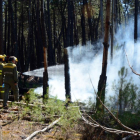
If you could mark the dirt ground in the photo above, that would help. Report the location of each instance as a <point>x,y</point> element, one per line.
<point>14,128</point>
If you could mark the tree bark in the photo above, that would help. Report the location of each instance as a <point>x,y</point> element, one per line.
<point>66,59</point>
<point>5,31</point>
<point>112,30</point>
<point>49,32</point>
<point>67,76</point>
<point>83,25</point>
<point>9,30</point>
<point>1,27</point>
<point>39,39</point>
<point>136,21</point>
<point>88,9</point>
<point>103,77</point>
<point>45,74</point>
<point>33,64</point>
<point>101,17</point>
<point>28,58</point>
<point>22,42</point>
<point>13,32</point>
<point>71,22</point>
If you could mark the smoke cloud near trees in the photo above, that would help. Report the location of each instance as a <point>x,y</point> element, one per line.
<point>86,62</point>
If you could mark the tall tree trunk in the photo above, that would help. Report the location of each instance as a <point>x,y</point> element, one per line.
<point>16,45</point>
<point>5,32</point>
<point>96,27</point>
<point>68,26</point>
<point>13,33</point>
<point>28,58</point>
<point>54,34</point>
<point>103,77</point>
<point>19,47</point>
<point>101,17</point>
<point>136,21</point>
<point>64,33</point>
<point>67,76</point>
<point>88,8</point>
<point>22,51</point>
<point>39,39</point>
<point>66,59</point>
<point>45,73</point>
<point>135,33</point>
<point>83,24</point>
<point>1,27</point>
<point>50,47</point>
<point>112,30</point>
<point>9,30</point>
<point>76,39</point>
<point>115,15</point>
<point>33,63</point>
<point>71,22</point>
<point>120,12</point>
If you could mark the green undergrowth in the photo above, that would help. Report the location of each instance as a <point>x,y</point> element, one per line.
<point>131,120</point>
<point>35,110</point>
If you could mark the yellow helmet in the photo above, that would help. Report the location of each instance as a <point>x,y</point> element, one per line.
<point>16,59</point>
<point>2,57</point>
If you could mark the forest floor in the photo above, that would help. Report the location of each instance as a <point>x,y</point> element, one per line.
<point>14,128</point>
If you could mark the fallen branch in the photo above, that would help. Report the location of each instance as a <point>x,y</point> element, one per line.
<point>111,130</point>
<point>131,66</point>
<point>119,122</point>
<point>43,130</point>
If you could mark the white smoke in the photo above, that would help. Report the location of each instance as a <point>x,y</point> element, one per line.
<point>86,62</point>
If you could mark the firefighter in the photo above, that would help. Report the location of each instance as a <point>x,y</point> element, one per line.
<point>10,79</point>
<point>2,59</point>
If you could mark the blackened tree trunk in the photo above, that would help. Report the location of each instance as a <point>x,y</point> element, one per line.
<point>39,39</point>
<point>13,29</point>
<point>112,30</point>
<point>22,42</point>
<point>101,17</point>
<point>66,59</point>
<point>136,21</point>
<point>5,31</point>
<point>45,73</point>
<point>83,24</point>
<point>68,26</point>
<point>29,45</point>
<point>96,27</point>
<point>1,28</point>
<point>119,17</point>
<point>33,64</point>
<point>88,8</point>
<point>63,33</point>
<point>76,39</point>
<point>115,15</point>
<point>103,77</point>
<point>71,22</point>
<point>67,75</point>
<point>9,30</point>
<point>19,47</point>
<point>49,31</point>
<point>54,34</point>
